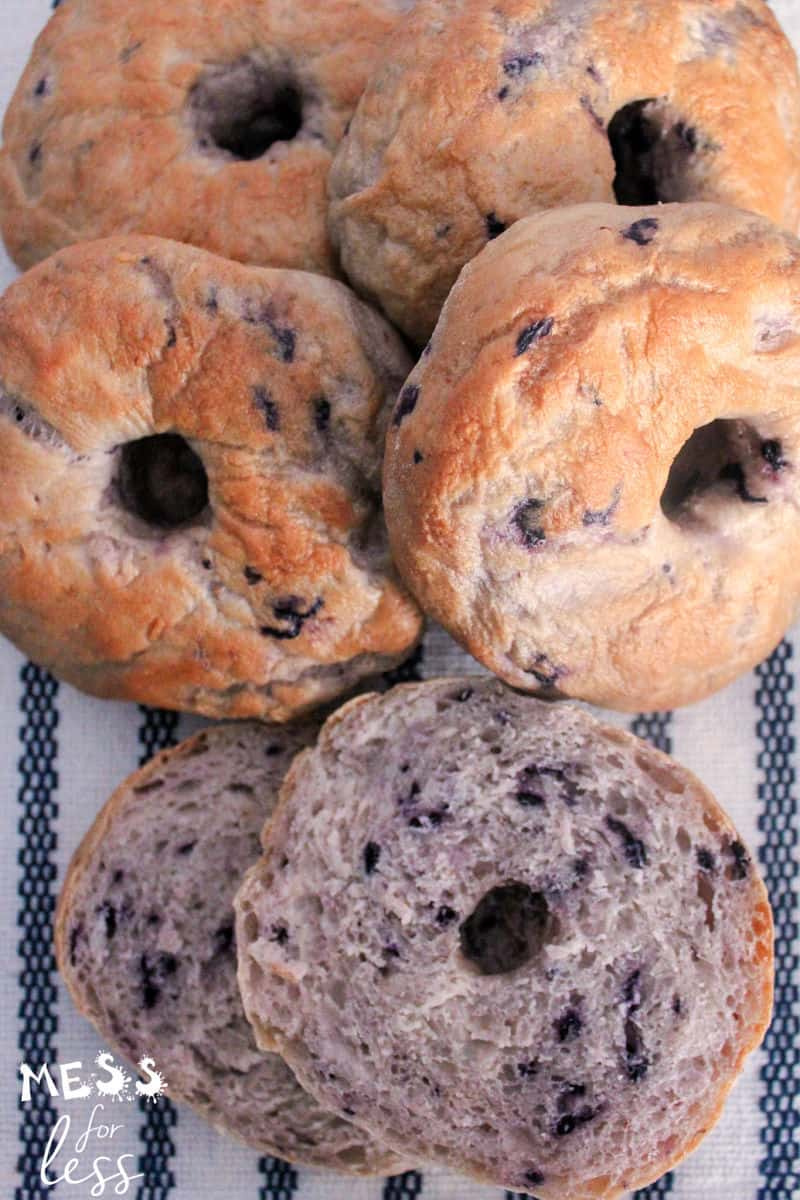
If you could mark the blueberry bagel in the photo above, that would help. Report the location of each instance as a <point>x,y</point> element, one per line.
<point>209,121</point>
<point>190,513</point>
<point>521,943</point>
<point>484,113</point>
<point>592,477</point>
<point>145,940</point>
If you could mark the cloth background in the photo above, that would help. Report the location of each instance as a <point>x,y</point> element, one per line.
<point>61,754</point>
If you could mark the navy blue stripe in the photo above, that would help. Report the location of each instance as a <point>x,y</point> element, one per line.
<point>403,1187</point>
<point>655,728</point>
<point>780,1166</point>
<point>280,1179</point>
<point>157,731</point>
<point>37,980</point>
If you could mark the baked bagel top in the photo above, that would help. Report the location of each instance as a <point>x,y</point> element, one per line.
<point>591,477</point>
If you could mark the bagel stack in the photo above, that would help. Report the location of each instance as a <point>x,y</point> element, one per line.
<point>341,316</point>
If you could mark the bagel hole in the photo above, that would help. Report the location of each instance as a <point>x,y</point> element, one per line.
<point>653,151</point>
<point>508,928</point>
<point>162,481</point>
<point>245,107</point>
<point>725,454</point>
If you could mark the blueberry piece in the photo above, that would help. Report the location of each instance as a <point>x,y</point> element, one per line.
<point>119,874</point>
<point>507,928</point>
<point>286,342</point>
<point>741,860</point>
<point>445,915</point>
<point>503,93</point>
<point>494,226</point>
<point>545,672</point>
<point>572,1121</point>
<point>206,563</point>
<point>532,334</point>
<point>642,232</point>
<point>677,1005</point>
<point>568,1026</point>
<point>212,303</point>
<point>591,111</point>
<point>635,849</point>
<point>291,611</point>
<point>527,1070</point>
<point>529,793</point>
<point>153,971</point>
<point>603,516</point>
<point>533,1177</point>
<point>267,407</point>
<point>223,938</point>
<point>322,413</point>
<point>252,575</point>
<point>465,694</point>
<point>35,153</point>
<point>636,1061</point>
<point>705,859</point>
<point>406,404</point>
<point>41,87</point>
<point>75,935</point>
<point>632,990</point>
<point>110,916</point>
<point>372,853</point>
<point>280,934</point>
<point>186,848</point>
<point>525,519</point>
<point>172,336</point>
<point>735,472</point>
<point>772,453</point>
<point>417,457</point>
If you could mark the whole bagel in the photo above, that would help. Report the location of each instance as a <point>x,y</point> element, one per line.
<point>213,122</point>
<point>190,511</point>
<point>591,478</point>
<point>484,113</point>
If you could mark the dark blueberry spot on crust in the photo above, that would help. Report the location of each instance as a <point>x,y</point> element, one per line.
<point>443,230</point>
<point>545,672</point>
<point>372,853</point>
<point>514,67</point>
<point>494,226</point>
<point>417,457</point>
<point>568,1025</point>
<point>642,232</point>
<point>35,153</point>
<point>41,87</point>
<point>527,1070</point>
<point>206,564</point>
<point>406,404</point>
<point>603,516</point>
<point>280,934</point>
<point>212,303</point>
<point>445,915</point>
<point>677,1005</point>
<point>533,1177</point>
<point>772,453</point>
<point>127,54</point>
<point>223,939</point>
<point>507,928</point>
<point>161,480</point>
<point>636,1061</point>
<point>252,575</point>
<point>532,334</point>
<point>572,1121</point>
<point>267,406</point>
<point>590,110</point>
<point>291,611</point>
<point>705,859</point>
<point>322,413</point>
<point>287,343</point>
<point>741,860</point>
<point>635,849</point>
<point>503,93</point>
<point>118,874</point>
<point>735,472</point>
<point>525,519</point>
<point>186,848</point>
<point>172,336</point>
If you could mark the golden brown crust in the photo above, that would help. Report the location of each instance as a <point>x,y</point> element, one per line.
<point>481,114</point>
<point>100,137</point>
<point>279,594</point>
<point>526,464</point>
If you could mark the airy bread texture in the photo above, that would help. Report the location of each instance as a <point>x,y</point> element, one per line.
<point>145,940</point>
<point>191,514</point>
<point>480,114</point>
<point>591,478</point>
<point>520,942</point>
<point>209,121</point>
